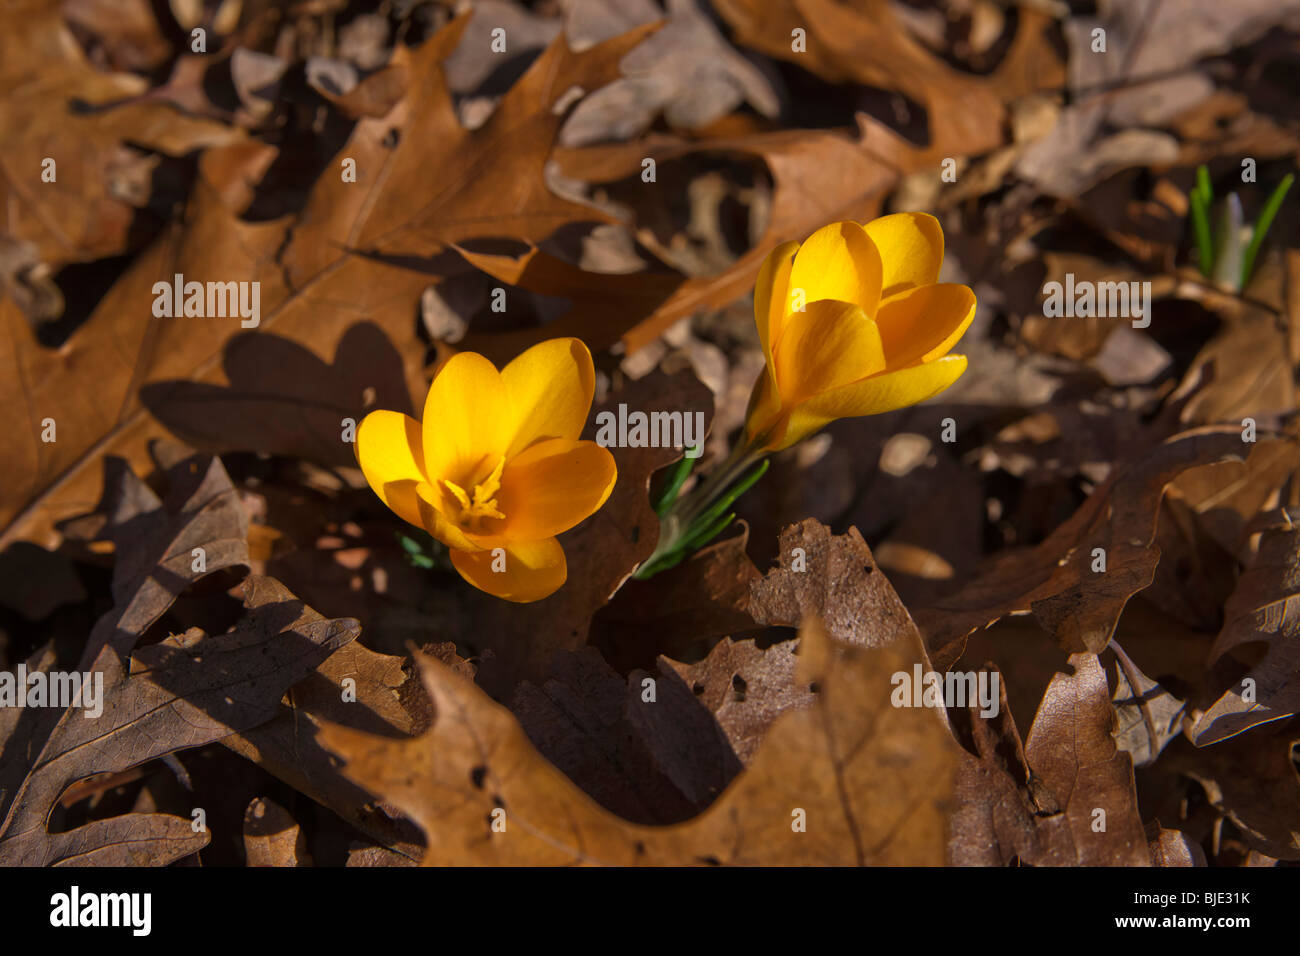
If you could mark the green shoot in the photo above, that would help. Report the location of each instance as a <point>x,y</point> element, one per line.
<point>1262,226</point>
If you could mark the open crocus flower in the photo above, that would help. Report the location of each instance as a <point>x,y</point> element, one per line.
<point>496,470</point>
<point>853,322</point>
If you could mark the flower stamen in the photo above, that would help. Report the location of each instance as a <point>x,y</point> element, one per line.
<point>482,504</point>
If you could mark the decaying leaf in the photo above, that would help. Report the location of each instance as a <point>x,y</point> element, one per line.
<point>1174,848</point>
<point>869,779</point>
<point>271,837</point>
<point>1057,581</point>
<point>58,109</point>
<point>1147,716</point>
<point>1066,799</point>
<point>746,687</point>
<point>188,690</point>
<point>1264,607</point>
<point>1251,779</point>
<point>646,764</point>
<point>315,283</point>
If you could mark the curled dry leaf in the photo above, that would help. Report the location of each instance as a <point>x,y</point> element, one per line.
<point>746,687</point>
<point>1264,607</point>
<point>1147,716</point>
<point>1173,847</point>
<point>647,764</point>
<point>872,781</point>
<point>1251,779</point>
<point>1071,749</point>
<point>315,283</point>
<point>1067,798</point>
<point>832,577</point>
<point>189,690</point>
<point>1056,581</point>
<point>272,837</point>
<point>79,214</point>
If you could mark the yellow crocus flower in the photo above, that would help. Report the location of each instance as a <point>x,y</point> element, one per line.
<point>495,470</point>
<point>853,322</point>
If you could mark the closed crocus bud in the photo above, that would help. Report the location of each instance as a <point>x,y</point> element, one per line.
<point>496,468</point>
<point>853,322</point>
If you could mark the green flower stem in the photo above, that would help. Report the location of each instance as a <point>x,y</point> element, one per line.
<point>676,478</point>
<point>697,517</point>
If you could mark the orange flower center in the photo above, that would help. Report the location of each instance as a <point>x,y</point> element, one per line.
<point>479,504</point>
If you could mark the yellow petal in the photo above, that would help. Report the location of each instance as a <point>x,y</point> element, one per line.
<point>882,393</point>
<point>531,571</point>
<point>839,262</point>
<point>910,246</point>
<point>389,450</point>
<point>764,409</point>
<point>467,418</point>
<point>552,486</point>
<point>772,294</point>
<point>923,323</point>
<point>549,388</point>
<point>828,345</point>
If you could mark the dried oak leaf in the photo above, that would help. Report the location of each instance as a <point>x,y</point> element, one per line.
<point>55,105</point>
<point>679,611</point>
<point>1228,495</point>
<point>853,173</point>
<point>272,837</point>
<point>872,781</point>
<point>120,347</point>
<point>381,698</point>
<point>186,691</point>
<point>1261,609</point>
<point>651,762</point>
<point>163,547</point>
<point>1055,580</point>
<point>1173,847</point>
<point>1251,779</point>
<point>1039,804</point>
<point>422,183</point>
<point>746,687</point>
<point>832,577</point>
<point>489,181</point>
